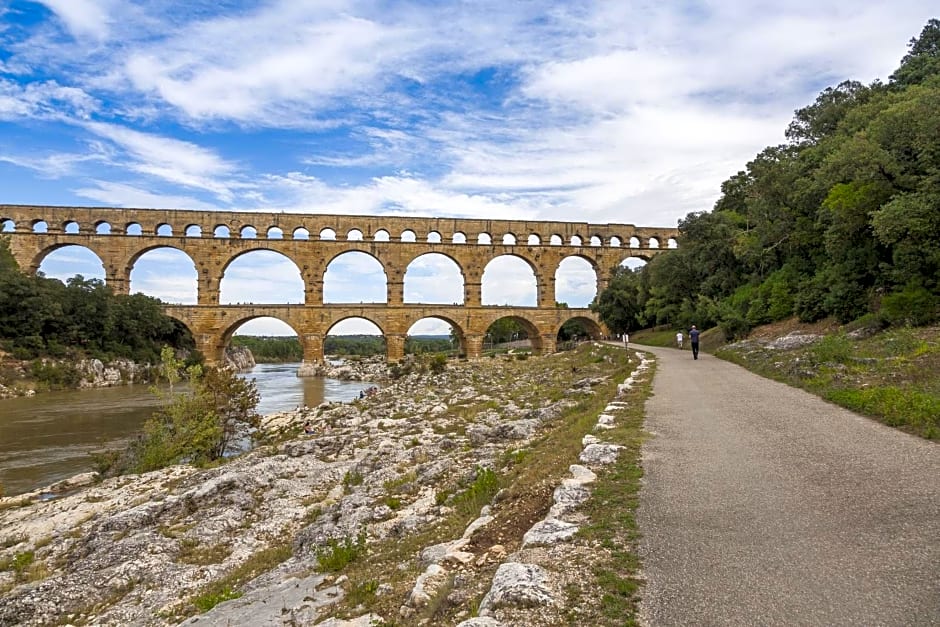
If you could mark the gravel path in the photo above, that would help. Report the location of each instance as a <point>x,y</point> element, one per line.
<point>764,505</point>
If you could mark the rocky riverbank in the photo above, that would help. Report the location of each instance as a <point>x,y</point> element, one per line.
<point>25,378</point>
<point>389,513</point>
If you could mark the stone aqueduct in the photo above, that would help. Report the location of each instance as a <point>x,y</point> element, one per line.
<point>213,240</point>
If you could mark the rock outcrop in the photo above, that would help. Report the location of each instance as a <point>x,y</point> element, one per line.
<point>144,549</point>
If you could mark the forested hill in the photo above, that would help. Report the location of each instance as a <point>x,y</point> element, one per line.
<point>843,220</point>
<point>42,317</point>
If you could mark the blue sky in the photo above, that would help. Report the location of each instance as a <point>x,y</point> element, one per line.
<point>577,110</point>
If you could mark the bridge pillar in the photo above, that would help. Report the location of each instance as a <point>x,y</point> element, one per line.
<point>396,293</point>
<point>549,344</point>
<point>118,284</point>
<point>209,345</point>
<point>208,290</point>
<point>472,294</point>
<point>395,347</point>
<point>473,345</point>
<point>313,353</point>
<point>546,296</point>
<point>313,292</point>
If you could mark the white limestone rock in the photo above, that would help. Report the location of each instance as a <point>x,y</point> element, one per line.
<point>600,454</point>
<point>517,585</point>
<point>549,532</point>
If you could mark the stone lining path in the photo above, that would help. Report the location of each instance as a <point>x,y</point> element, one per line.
<point>764,505</point>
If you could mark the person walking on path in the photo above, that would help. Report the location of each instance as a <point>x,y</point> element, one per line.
<point>626,340</point>
<point>762,504</point>
<point>693,339</point>
<point>679,338</point>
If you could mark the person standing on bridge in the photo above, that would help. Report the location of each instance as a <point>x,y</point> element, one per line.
<point>693,339</point>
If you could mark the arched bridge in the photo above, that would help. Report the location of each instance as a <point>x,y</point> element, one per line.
<point>213,240</point>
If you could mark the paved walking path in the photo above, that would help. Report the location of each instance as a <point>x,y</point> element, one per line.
<point>763,505</point>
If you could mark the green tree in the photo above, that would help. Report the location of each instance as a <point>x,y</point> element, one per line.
<point>922,60</point>
<point>198,425</point>
<point>618,306</point>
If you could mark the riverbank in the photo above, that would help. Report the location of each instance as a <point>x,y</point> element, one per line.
<point>368,517</point>
<point>20,377</point>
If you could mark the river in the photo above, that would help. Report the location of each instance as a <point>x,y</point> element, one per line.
<point>48,437</point>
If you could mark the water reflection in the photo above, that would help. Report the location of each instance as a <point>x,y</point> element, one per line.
<point>48,437</point>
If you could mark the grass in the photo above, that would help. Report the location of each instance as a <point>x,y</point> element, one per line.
<point>890,376</point>
<point>226,588</point>
<point>523,479</point>
<point>337,554</point>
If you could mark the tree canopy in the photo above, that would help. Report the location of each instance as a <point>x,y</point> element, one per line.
<point>41,317</point>
<point>843,220</point>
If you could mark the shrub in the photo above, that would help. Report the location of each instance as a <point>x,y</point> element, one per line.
<point>913,305</point>
<point>338,553</point>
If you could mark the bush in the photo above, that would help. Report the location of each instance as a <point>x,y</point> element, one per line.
<point>338,553</point>
<point>913,305</point>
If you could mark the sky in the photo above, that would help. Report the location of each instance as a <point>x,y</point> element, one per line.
<point>598,111</point>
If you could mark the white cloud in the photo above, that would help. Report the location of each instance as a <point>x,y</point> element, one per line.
<point>82,17</point>
<point>125,195</point>
<point>172,160</point>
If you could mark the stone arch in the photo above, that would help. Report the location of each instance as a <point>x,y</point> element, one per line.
<point>593,329</point>
<point>275,232</point>
<point>434,270</point>
<point>133,228</point>
<point>653,242</point>
<point>221,231</point>
<point>39,226</point>
<point>340,286</point>
<point>365,315</point>
<point>596,240</point>
<point>229,331</point>
<point>327,234</point>
<point>458,331</point>
<point>382,236</point>
<point>434,237</point>
<point>409,236</point>
<point>248,232</point>
<point>7,225</point>
<point>354,235</point>
<point>272,278</point>
<point>300,233</point>
<point>576,284</point>
<point>615,242</point>
<point>528,327</point>
<point>634,242</point>
<point>71,227</point>
<point>509,239</point>
<point>672,243</point>
<point>173,289</point>
<point>77,265</point>
<point>635,262</point>
<point>534,239</point>
<point>484,238</point>
<point>459,238</point>
<point>193,230</point>
<point>164,229</point>
<point>514,283</point>
<point>575,241</point>
<point>102,228</point>
<point>555,240</point>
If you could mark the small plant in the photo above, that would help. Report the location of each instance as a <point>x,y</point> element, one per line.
<point>338,553</point>
<point>209,600</point>
<point>352,478</point>
<point>363,593</point>
<point>393,502</point>
<point>479,493</point>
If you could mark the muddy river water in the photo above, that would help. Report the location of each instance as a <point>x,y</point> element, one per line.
<point>48,437</point>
